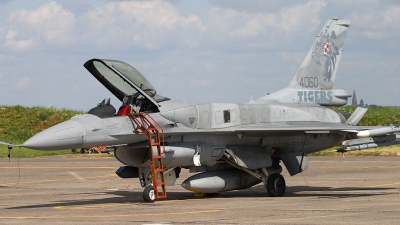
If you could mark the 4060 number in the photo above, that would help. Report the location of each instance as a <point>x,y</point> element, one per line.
<point>309,82</point>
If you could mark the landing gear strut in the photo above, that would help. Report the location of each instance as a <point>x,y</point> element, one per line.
<point>273,180</point>
<point>276,185</point>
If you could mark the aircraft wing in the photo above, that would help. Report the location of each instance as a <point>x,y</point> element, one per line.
<point>281,128</point>
<point>306,127</point>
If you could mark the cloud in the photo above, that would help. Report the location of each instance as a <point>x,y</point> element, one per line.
<point>49,22</point>
<point>391,16</point>
<point>262,30</point>
<point>294,19</point>
<point>152,25</point>
<point>288,19</point>
<point>142,24</point>
<point>22,83</point>
<point>392,29</point>
<point>20,45</point>
<point>253,24</point>
<point>256,6</point>
<point>153,14</point>
<point>114,25</point>
<point>254,45</point>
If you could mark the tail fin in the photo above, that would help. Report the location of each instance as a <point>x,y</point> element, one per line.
<point>319,67</point>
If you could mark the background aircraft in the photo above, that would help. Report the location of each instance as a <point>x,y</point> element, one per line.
<point>155,137</point>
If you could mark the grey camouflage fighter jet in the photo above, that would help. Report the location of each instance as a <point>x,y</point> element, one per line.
<point>228,146</point>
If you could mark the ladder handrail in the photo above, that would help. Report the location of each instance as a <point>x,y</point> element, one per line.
<point>146,126</point>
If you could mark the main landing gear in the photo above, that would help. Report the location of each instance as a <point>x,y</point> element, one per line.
<point>271,177</point>
<point>276,185</point>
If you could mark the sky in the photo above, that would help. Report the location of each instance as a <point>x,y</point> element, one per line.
<point>196,51</point>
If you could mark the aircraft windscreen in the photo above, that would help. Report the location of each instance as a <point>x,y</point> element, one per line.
<point>133,75</point>
<point>114,79</point>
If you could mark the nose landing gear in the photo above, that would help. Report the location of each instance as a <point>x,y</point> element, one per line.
<point>148,194</point>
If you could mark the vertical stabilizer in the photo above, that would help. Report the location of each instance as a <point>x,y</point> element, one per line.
<point>313,81</point>
<point>319,67</point>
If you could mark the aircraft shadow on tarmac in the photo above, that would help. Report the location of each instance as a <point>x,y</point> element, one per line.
<point>343,192</point>
<point>135,196</point>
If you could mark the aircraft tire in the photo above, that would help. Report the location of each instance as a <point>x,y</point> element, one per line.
<point>276,185</point>
<point>148,194</point>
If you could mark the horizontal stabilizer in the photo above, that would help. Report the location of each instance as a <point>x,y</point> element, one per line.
<point>357,115</point>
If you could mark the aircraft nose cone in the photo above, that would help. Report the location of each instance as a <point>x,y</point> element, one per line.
<point>67,135</point>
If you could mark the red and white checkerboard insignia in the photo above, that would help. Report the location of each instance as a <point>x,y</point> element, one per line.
<point>326,48</point>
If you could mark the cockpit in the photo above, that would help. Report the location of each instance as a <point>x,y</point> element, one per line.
<point>127,84</point>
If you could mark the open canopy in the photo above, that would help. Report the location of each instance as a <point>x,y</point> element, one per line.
<point>123,80</point>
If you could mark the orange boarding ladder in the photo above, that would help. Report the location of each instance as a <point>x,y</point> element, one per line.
<point>148,126</point>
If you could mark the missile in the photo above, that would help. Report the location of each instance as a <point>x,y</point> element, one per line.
<point>84,131</point>
<point>219,181</point>
<point>378,131</point>
<point>366,146</point>
<point>357,147</point>
<point>379,139</point>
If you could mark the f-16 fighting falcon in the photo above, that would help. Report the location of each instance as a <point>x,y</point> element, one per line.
<point>228,146</point>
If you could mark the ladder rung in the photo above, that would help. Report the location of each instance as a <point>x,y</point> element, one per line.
<point>145,125</point>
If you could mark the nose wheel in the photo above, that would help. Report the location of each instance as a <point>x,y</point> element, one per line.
<point>148,194</point>
<point>276,185</point>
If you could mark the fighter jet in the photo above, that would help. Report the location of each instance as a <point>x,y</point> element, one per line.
<point>229,146</point>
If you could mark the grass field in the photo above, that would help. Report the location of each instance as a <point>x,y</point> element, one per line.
<point>376,115</point>
<point>28,153</point>
<point>18,124</point>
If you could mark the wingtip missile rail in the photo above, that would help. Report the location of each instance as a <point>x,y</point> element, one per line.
<point>378,131</point>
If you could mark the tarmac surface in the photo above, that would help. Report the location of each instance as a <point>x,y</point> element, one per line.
<point>84,190</point>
